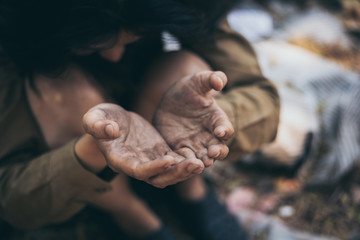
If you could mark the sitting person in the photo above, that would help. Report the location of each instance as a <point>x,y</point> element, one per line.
<point>89,99</point>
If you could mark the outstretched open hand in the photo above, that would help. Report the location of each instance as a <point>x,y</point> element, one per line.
<point>132,145</point>
<point>189,117</point>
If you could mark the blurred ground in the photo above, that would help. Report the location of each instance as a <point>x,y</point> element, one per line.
<point>275,192</point>
<point>326,211</point>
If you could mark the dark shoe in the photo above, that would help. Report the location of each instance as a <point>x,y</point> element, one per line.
<point>208,219</point>
<point>162,234</point>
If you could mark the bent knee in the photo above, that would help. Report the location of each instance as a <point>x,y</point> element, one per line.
<point>61,104</point>
<point>165,71</point>
<point>183,63</point>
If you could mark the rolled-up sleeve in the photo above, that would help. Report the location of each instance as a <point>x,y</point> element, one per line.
<point>47,189</point>
<point>250,100</point>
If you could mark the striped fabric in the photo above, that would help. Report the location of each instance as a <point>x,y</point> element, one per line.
<point>338,149</point>
<point>331,92</point>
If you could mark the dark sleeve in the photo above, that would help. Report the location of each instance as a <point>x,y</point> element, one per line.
<point>37,186</point>
<point>250,100</point>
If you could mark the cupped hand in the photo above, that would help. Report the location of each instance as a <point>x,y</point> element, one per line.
<point>132,145</point>
<point>188,117</point>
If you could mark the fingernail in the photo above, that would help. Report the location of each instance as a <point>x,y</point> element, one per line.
<point>219,78</point>
<point>220,131</point>
<point>109,129</point>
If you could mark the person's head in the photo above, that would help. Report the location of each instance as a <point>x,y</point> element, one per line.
<point>43,36</point>
<point>111,50</point>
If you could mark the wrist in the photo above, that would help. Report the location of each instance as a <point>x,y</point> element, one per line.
<point>89,154</point>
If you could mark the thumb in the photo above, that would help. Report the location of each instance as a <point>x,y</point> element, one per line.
<point>95,124</point>
<point>209,80</point>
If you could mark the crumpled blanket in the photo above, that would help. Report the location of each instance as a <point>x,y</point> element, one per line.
<point>331,96</point>
<point>318,96</point>
<point>319,124</point>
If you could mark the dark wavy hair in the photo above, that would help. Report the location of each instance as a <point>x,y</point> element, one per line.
<point>39,35</point>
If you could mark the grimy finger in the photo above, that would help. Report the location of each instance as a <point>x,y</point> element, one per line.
<point>177,173</point>
<point>207,161</point>
<point>186,152</point>
<point>196,150</point>
<point>222,127</point>
<point>218,151</point>
<point>209,80</point>
<point>193,145</point>
<point>130,163</point>
<point>178,158</point>
<point>96,124</point>
<point>199,149</point>
<point>146,170</point>
<point>91,117</point>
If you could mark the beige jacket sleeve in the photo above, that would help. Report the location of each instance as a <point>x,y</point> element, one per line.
<point>250,100</point>
<point>47,189</point>
<point>37,186</point>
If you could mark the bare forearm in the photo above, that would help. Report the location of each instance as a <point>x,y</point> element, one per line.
<point>89,154</point>
<point>27,187</point>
